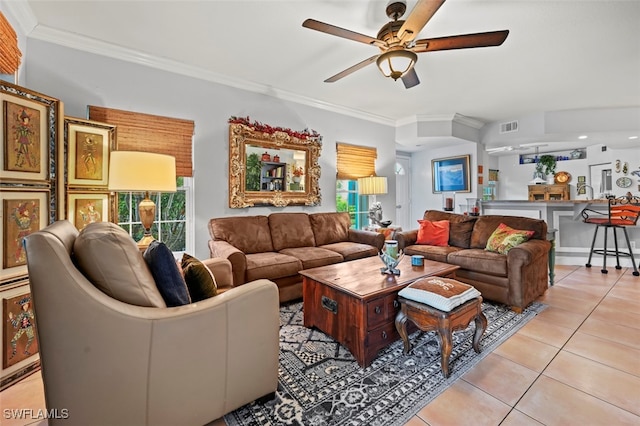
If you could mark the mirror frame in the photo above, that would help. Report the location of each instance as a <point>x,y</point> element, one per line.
<point>241,135</point>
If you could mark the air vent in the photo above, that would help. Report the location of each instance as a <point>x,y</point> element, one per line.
<point>511,126</point>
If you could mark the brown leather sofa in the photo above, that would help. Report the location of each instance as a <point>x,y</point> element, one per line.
<point>279,245</point>
<point>515,279</point>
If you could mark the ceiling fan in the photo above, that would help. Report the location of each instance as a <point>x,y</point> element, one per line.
<point>397,44</point>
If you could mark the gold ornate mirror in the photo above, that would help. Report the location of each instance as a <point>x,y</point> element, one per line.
<point>272,166</point>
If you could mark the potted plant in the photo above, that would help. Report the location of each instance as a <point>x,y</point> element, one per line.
<point>547,165</point>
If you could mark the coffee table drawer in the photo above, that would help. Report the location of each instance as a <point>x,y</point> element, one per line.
<point>380,338</point>
<point>382,310</point>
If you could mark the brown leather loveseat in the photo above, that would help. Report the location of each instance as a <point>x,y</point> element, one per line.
<point>515,279</point>
<point>279,245</point>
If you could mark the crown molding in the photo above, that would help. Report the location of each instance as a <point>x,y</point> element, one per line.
<point>97,47</point>
<point>23,14</point>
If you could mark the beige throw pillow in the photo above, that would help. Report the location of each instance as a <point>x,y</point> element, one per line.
<point>110,259</point>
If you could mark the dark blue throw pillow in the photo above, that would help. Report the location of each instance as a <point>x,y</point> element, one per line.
<point>166,274</point>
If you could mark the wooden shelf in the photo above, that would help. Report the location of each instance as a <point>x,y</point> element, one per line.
<point>559,191</point>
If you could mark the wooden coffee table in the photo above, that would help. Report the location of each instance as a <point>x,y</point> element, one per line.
<point>356,305</point>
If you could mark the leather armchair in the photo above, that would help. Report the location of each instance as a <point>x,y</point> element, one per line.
<point>110,363</point>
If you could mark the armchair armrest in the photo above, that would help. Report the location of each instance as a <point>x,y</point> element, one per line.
<point>366,237</point>
<point>238,259</point>
<point>406,238</point>
<point>221,270</point>
<point>528,269</point>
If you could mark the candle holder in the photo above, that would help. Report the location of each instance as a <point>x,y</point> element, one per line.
<point>448,201</point>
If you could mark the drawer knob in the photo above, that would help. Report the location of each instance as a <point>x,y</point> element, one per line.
<point>377,310</point>
<point>395,304</point>
<point>384,335</point>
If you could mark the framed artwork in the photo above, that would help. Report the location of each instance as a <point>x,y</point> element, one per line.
<point>88,146</point>
<point>32,146</point>
<point>19,339</point>
<point>451,174</point>
<point>25,137</point>
<point>88,207</point>
<point>22,213</point>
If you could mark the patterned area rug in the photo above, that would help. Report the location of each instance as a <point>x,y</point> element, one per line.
<point>320,383</point>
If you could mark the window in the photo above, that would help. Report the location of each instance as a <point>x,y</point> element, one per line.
<point>348,200</point>
<point>172,210</point>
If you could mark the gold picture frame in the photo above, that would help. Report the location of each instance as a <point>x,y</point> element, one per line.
<point>25,136</point>
<point>286,191</point>
<point>88,146</point>
<point>22,212</point>
<point>88,207</point>
<point>451,174</point>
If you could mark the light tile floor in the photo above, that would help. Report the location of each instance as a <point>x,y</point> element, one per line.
<point>577,363</point>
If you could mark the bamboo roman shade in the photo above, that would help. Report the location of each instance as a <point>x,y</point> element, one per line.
<point>355,161</point>
<point>9,53</point>
<point>151,133</point>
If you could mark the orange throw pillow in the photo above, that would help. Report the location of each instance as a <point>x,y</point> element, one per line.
<point>434,233</point>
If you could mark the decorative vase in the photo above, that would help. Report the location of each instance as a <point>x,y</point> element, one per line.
<point>296,179</point>
<point>276,159</point>
<point>391,257</point>
<point>266,157</point>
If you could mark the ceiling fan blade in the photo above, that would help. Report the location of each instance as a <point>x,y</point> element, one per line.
<point>410,79</point>
<point>464,41</point>
<point>418,18</point>
<point>341,32</point>
<point>352,69</point>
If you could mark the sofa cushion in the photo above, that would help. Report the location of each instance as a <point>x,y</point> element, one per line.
<point>312,257</point>
<point>329,228</point>
<point>352,251</point>
<point>166,274</point>
<point>249,234</point>
<point>504,238</point>
<point>437,253</point>
<point>107,255</point>
<point>485,225</point>
<point>290,230</point>
<point>271,265</point>
<point>200,280</point>
<point>460,229</point>
<point>433,233</point>
<point>480,260</point>
<point>460,233</point>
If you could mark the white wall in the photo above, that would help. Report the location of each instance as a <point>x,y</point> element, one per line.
<point>80,79</point>
<point>422,196</point>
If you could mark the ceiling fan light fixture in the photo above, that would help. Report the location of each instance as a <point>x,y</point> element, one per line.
<point>396,63</point>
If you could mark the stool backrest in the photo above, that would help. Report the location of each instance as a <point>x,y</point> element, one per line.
<point>624,210</point>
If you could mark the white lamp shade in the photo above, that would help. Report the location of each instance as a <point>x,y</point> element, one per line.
<point>372,185</point>
<point>141,171</point>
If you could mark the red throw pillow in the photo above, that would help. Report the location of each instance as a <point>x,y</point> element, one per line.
<point>434,233</point>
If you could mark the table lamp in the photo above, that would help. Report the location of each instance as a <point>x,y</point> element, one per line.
<point>132,171</point>
<point>374,185</point>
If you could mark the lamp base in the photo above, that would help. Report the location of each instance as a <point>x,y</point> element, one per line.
<point>145,241</point>
<point>147,212</point>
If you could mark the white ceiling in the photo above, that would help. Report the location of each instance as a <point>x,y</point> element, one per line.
<point>560,55</point>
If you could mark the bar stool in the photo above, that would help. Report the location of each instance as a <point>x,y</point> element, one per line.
<point>621,213</point>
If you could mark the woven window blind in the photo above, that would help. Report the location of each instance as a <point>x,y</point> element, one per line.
<point>9,52</point>
<point>151,133</point>
<point>356,161</point>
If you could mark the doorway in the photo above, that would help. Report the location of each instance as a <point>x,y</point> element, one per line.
<point>403,189</point>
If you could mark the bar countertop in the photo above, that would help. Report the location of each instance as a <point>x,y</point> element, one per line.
<point>576,201</point>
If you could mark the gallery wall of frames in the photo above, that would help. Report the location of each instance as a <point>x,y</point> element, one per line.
<point>52,167</point>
